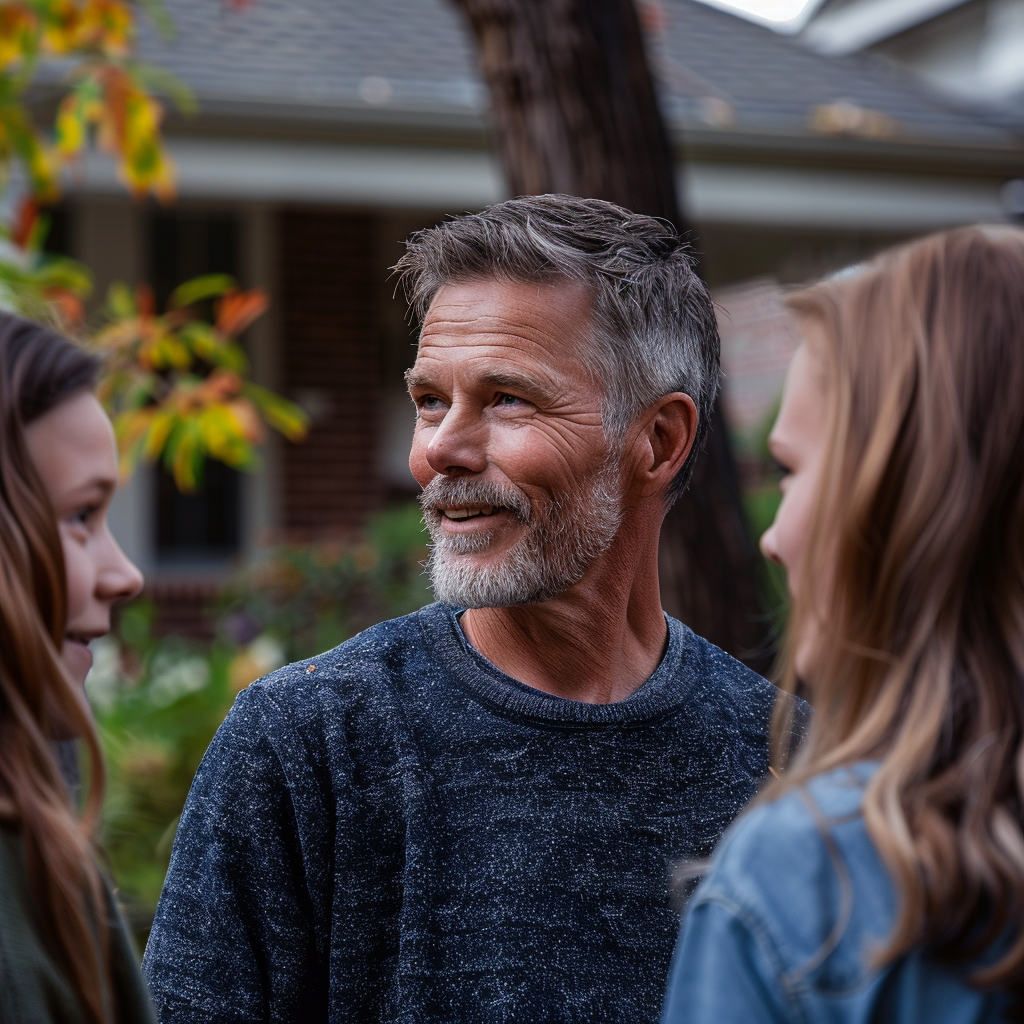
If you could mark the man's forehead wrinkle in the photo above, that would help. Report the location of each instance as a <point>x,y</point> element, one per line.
<point>493,365</point>
<point>532,355</point>
<point>488,324</point>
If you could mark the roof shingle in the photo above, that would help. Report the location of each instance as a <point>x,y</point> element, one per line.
<point>415,56</point>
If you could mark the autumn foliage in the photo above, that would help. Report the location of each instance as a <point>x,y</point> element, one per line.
<point>109,94</point>
<point>175,383</point>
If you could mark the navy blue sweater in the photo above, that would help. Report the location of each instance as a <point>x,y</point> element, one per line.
<point>397,831</point>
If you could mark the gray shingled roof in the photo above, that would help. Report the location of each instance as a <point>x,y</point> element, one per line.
<point>414,57</point>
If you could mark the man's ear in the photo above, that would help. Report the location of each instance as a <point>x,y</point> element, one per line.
<point>667,433</point>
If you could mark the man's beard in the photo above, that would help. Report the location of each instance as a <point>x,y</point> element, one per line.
<point>562,539</point>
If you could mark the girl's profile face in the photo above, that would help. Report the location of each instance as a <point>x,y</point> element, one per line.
<point>797,443</point>
<point>72,447</point>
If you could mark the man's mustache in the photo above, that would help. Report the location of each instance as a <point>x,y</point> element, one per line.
<point>444,492</point>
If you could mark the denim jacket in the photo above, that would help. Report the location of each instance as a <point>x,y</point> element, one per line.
<point>775,932</point>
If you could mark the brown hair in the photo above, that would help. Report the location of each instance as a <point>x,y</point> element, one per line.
<point>38,370</point>
<point>916,564</point>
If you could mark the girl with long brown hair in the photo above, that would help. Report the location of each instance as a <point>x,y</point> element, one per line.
<point>64,953</point>
<point>881,878</point>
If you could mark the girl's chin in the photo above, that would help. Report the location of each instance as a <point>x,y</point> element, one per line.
<point>77,659</point>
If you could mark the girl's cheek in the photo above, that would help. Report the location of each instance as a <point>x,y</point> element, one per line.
<point>78,569</point>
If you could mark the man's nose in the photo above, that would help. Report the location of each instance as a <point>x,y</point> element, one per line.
<point>458,445</point>
<point>119,578</point>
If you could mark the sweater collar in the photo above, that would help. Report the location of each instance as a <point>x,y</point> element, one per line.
<point>661,693</point>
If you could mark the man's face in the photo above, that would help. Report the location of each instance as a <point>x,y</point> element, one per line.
<point>521,494</point>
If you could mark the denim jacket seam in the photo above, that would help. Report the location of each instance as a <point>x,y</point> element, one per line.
<point>760,934</point>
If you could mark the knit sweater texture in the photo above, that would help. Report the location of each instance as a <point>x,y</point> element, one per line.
<point>397,831</point>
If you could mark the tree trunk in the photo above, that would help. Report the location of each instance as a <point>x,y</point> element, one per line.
<point>575,111</point>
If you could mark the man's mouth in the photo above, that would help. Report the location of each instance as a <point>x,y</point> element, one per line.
<point>469,511</point>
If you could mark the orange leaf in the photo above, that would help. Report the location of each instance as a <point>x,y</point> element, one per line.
<point>117,90</point>
<point>25,222</point>
<point>145,301</point>
<point>238,309</point>
<point>70,305</point>
<point>248,420</point>
<point>219,386</point>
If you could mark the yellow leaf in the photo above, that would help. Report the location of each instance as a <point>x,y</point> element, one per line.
<point>187,461</point>
<point>159,430</point>
<point>70,127</point>
<point>19,28</point>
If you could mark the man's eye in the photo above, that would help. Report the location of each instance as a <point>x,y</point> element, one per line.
<point>430,402</point>
<point>508,400</point>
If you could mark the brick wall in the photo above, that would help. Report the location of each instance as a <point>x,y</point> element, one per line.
<point>328,293</point>
<point>759,337</point>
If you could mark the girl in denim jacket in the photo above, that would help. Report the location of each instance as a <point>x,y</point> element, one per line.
<point>881,876</point>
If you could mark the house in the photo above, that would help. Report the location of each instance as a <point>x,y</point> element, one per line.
<point>969,50</point>
<point>330,129</point>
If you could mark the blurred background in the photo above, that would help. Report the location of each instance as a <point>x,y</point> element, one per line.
<point>308,138</point>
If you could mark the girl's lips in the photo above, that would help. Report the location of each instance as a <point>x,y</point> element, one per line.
<point>77,657</point>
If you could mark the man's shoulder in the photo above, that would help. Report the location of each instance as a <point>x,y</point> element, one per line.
<point>719,677</point>
<point>382,653</point>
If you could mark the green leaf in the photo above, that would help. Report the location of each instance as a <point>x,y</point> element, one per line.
<point>64,272</point>
<point>208,344</point>
<point>283,415</point>
<point>157,80</point>
<point>185,454</point>
<point>121,302</point>
<point>207,287</point>
<point>162,21</point>
<point>222,438</point>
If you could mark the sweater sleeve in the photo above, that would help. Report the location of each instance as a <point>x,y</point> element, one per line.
<point>235,935</point>
<point>723,972</point>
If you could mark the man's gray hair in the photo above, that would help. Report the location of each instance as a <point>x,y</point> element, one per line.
<point>654,322</point>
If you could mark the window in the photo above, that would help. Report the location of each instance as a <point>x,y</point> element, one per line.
<point>204,527</point>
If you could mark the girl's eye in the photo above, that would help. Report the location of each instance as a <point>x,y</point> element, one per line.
<point>83,515</point>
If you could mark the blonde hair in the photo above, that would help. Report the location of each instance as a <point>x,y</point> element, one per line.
<point>912,583</point>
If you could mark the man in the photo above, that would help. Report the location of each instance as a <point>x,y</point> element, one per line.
<point>472,813</point>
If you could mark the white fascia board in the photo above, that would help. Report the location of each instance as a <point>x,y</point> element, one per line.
<point>783,16</point>
<point>859,25</point>
<point>732,194</point>
<point>456,180</point>
<point>211,168</point>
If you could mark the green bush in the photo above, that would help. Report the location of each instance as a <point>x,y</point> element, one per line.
<point>311,597</point>
<point>158,704</point>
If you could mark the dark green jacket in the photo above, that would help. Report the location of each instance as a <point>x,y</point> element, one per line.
<point>33,989</point>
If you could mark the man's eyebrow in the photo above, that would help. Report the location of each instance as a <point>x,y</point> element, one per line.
<point>415,379</point>
<point>509,380</point>
<point>520,383</point>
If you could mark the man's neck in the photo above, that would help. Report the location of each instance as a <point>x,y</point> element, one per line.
<point>595,643</point>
